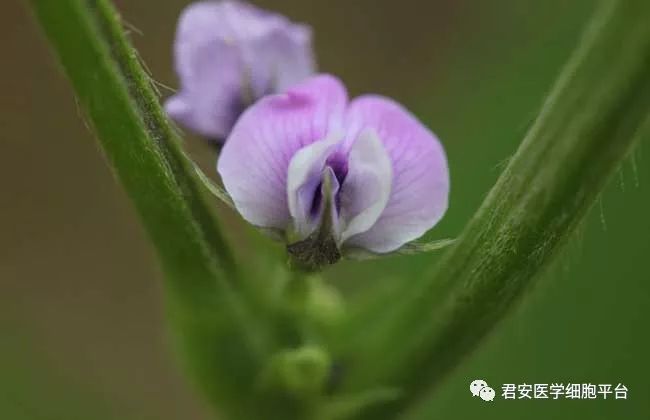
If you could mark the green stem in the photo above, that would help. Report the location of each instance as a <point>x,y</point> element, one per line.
<point>598,108</point>
<point>226,345</point>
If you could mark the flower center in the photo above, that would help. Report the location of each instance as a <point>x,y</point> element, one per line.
<point>339,164</point>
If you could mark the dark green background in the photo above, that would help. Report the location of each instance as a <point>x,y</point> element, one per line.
<point>81,321</point>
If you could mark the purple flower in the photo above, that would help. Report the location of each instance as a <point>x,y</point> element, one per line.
<point>384,173</point>
<point>229,54</point>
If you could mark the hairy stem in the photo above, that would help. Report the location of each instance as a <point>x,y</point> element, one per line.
<point>225,344</point>
<point>597,110</point>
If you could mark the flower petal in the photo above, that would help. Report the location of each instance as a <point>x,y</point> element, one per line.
<point>277,52</point>
<point>367,185</point>
<point>210,69</point>
<point>227,55</point>
<point>254,162</point>
<point>420,187</point>
<point>243,22</point>
<point>305,175</point>
<point>281,60</point>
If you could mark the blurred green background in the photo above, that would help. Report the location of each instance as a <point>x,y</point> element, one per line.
<point>82,330</point>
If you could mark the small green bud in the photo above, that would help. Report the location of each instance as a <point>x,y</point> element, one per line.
<point>299,372</point>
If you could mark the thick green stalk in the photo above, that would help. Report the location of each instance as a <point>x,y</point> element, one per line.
<point>226,345</point>
<point>598,108</point>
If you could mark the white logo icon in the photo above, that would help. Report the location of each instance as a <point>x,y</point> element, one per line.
<point>487,394</point>
<point>476,386</point>
<point>481,389</point>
